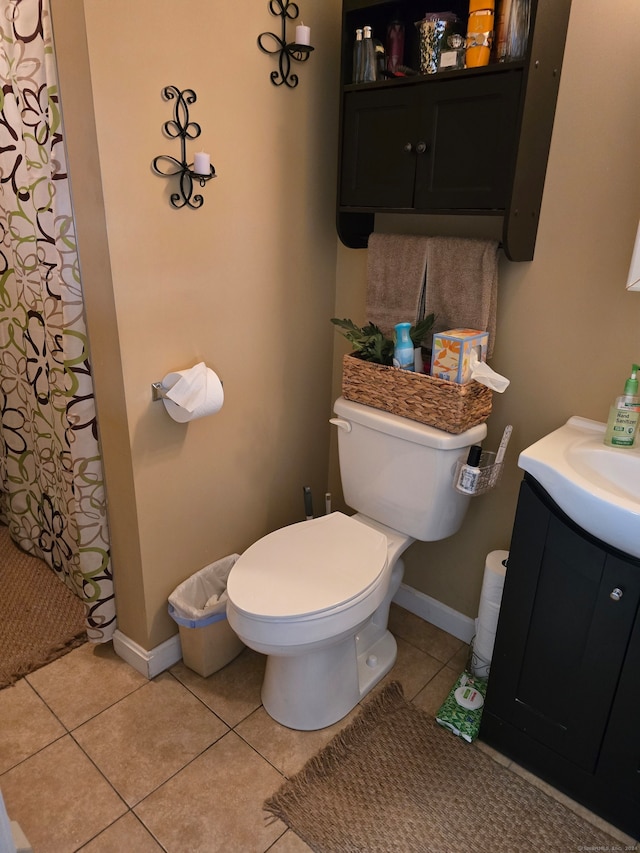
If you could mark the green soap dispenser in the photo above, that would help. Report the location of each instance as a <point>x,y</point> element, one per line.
<point>624,414</point>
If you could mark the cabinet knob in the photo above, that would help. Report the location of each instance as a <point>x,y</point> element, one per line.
<point>421,147</point>
<point>407,148</point>
<point>616,594</point>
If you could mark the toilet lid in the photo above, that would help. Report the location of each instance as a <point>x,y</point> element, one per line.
<point>307,567</point>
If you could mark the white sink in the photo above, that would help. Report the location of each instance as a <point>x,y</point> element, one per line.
<point>597,486</point>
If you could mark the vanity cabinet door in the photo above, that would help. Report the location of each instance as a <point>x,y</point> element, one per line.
<point>561,645</point>
<point>619,764</point>
<point>564,687</point>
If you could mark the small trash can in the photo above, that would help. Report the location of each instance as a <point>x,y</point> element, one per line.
<point>199,607</point>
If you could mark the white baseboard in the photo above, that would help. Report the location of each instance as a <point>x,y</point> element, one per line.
<point>152,662</point>
<point>20,841</point>
<point>149,663</point>
<point>438,614</point>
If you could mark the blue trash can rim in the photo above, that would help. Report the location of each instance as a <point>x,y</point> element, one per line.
<point>209,619</point>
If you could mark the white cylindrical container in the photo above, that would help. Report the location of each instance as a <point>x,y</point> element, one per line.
<point>495,570</point>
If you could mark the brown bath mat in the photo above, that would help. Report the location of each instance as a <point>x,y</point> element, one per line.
<point>40,619</point>
<point>393,780</point>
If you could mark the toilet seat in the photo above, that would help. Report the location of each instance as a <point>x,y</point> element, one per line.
<point>306,569</point>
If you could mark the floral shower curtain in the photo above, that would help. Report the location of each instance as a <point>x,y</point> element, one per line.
<point>51,486</point>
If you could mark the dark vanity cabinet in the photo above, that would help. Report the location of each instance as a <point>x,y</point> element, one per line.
<point>564,691</point>
<point>470,141</point>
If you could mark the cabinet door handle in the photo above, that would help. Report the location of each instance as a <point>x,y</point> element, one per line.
<point>421,147</point>
<point>407,148</point>
<point>616,594</point>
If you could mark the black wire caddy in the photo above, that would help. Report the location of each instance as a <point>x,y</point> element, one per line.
<point>287,52</point>
<point>182,128</point>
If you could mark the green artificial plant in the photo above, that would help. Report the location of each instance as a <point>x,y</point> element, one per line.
<point>371,344</point>
<point>420,331</point>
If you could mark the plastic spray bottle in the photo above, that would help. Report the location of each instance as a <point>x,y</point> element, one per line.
<point>624,414</point>
<point>403,355</point>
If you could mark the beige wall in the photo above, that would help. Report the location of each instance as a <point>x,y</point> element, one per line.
<point>248,282</point>
<point>567,329</point>
<point>245,284</point>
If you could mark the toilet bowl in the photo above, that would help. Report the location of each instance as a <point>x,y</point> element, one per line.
<point>315,596</point>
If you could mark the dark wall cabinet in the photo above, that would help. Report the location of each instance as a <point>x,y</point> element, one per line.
<point>473,141</point>
<point>564,688</point>
<point>431,161</point>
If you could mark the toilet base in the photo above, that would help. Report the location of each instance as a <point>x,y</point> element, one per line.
<point>376,662</point>
<point>315,689</point>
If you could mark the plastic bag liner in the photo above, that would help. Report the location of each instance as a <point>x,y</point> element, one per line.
<point>199,606</point>
<point>201,600</point>
<point>461,711</point>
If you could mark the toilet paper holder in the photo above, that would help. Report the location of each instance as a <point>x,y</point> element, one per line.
<point>158,391</point>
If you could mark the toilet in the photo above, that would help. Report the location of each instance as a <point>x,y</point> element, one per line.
<point>315,596</point>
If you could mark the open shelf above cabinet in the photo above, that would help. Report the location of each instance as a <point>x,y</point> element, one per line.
<point>473,141</point>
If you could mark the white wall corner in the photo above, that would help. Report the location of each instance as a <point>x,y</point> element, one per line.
<point>20,840</point>
<point>148,662</point>
<point>436,613</point>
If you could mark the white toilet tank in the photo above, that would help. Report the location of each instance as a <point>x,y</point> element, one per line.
<point>400,472</point>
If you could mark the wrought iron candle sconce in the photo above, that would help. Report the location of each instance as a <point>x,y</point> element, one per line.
<point>286,51</point>
<point>182,128</point>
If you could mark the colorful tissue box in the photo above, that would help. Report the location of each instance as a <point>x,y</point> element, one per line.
<point>452,353</point>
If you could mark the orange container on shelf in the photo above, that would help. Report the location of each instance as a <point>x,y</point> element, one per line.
<point>479,33</point>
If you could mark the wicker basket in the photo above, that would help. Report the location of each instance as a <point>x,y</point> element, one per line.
<point>436,402</point>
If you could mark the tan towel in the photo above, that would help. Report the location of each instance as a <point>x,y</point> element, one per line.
<point>462,284</point>
<point>396,266</point>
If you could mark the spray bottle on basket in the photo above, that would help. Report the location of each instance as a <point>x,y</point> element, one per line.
<point>403,355</point>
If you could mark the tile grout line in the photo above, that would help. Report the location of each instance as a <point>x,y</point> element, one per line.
<point>442,665</point>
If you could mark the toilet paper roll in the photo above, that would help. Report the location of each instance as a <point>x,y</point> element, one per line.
<point>199,393</point>
<point>488,611</point>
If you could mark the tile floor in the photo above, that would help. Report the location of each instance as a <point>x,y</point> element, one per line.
<point>94,757</point>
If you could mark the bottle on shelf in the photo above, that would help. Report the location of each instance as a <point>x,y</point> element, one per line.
<point>369,64</point>
<point>479,33</point>
<point>395,46</point>
<point>501,37</point>
<point>518,33</point>
<point>357,57</point>
<point>433,34</point>
<point>512,29</point>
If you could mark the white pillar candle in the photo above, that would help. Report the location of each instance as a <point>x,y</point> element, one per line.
<point>303,34</point>
<point>202,163</point>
